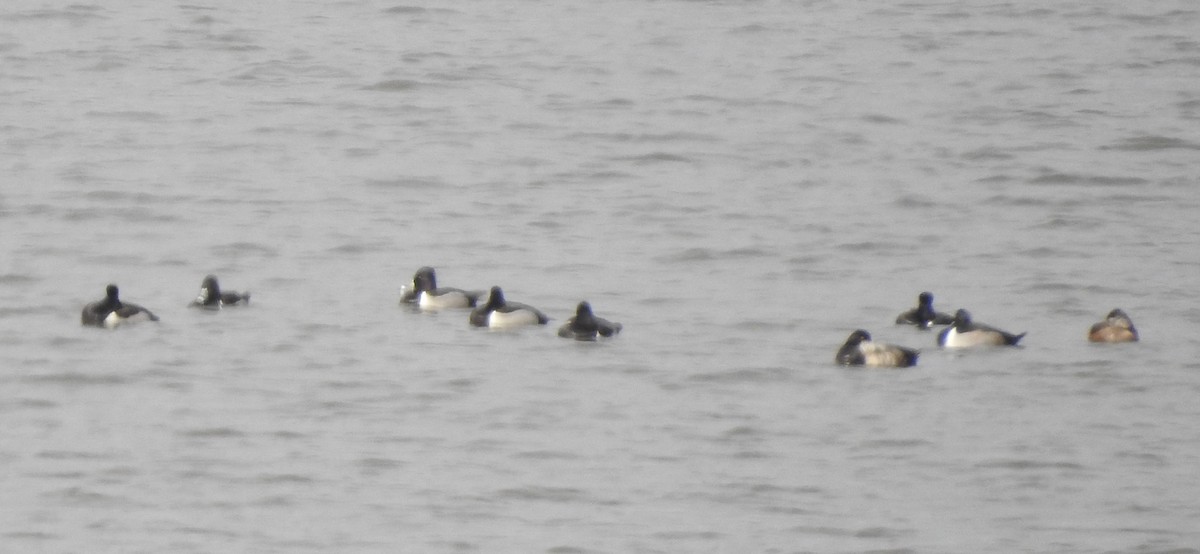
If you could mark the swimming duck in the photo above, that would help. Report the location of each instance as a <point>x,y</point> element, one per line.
<point>427,296</point>
<point>498,314</point>
<point>861,350</point>
<point>924,315</point>
<point>111,312</point>
<point>1116,327</point>
<point>965,333</point>
<point>586,326</point>
<point>211,296</point>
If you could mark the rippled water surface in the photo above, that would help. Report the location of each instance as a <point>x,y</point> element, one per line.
<point>741,184</point>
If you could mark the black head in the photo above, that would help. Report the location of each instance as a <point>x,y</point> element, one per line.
<point>111,293</point>
<point>425,279</point>
<point>210,292</point>
<point>850,353</point>
<point>495,298</point>
<point>859,336</point>
<point>1117,313</point>
<point>925,299</point>
<point>584,320</point>
<point>583,310</point>
<point>962,318</point>
<point>210,283</point>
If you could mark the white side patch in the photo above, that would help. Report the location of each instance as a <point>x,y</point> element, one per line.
<point>954,339</point>
<point>951,339</point>
<point>508,320</point>
<point>452,299</point>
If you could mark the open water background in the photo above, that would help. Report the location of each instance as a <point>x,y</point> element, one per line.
<point>740,183</point>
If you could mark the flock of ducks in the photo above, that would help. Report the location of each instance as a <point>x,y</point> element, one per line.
<point>111,312</point>
<point>960,332</point>
<point>497,313</point>
<point>425,295</point>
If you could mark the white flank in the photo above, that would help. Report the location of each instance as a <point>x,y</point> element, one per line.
<point>954,339</point>
<point>508,320</point>
<point>452,299</point>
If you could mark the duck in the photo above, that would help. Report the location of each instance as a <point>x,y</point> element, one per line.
<point>586,326</point>
<point>861,350</point>
<point>1116,327</point>
<point>496,313</point>
<point>428,296</point>
<point>924,316</point>
<point>111,312</point>
<point>211,296</point>
<point>964,333</point>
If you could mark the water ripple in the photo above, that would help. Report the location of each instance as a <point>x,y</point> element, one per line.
<point>1151,143</point>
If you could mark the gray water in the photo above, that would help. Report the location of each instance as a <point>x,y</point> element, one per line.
<point>741,184</point>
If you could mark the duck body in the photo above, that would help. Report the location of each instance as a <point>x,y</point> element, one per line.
<point>586,326</point>
<point>965,333</point>
<point>211,297</point>
<point>860,350</point>
<point>426,295</point>
<point>111,312</point>
<point>1116,327</point>
<point>924,316</point>
<point>497,313</point>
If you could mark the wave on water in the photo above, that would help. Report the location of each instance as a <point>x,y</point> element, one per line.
<point>1059,178</point>
<point>547,494</point>
<point>76,13</point>
<point>408,184</point>
<point>113,196</point>
<point>638,138</point>
<point>417,10</point>
<point>289,73</point>
<point>211,433</point>
<point>1031,465</point>
<point>17,279</point>
<point>243,248</point>
<point>359,248</point>
<point>130,115</point>
<point>77,379</point>
<point>395,85</point>
<point>655,158</point>
<point>744,375</point>
<point>1152,143</point>
<point>700,254</point>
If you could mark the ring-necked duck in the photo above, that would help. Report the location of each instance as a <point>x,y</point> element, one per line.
<point>427,296</point>
<point>1116,327</point>
<point>111,312</point>
<point>586,326</point>
<point>860,350</point>
<point>965,333</point>
<point>924,315</point>
<point>498,314</point>
<point>211,296</point>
